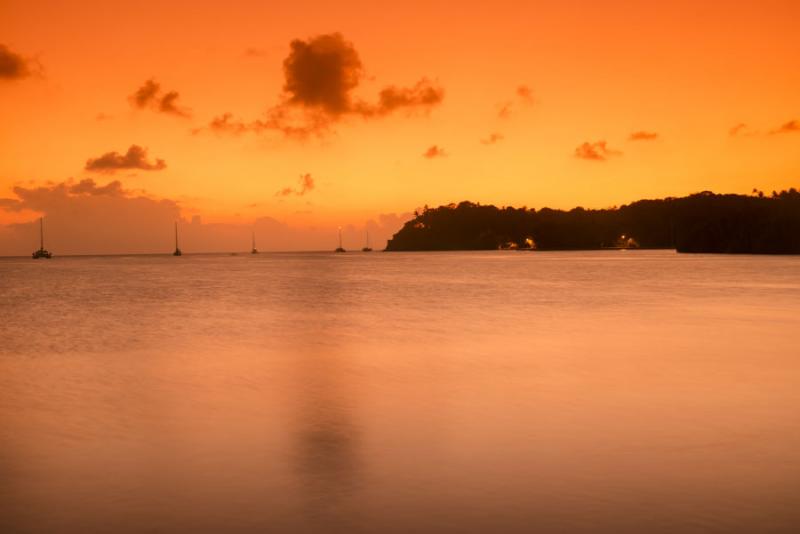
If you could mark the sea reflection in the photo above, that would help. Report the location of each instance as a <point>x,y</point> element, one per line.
<point>485,392</point>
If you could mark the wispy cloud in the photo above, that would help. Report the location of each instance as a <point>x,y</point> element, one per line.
<point>793,126</point>
<point>524,96</point>
<point>741,129</point>
<point>493,138</point>
<point>305,185</point>
<point>597,151</point>
<point>643,136</point>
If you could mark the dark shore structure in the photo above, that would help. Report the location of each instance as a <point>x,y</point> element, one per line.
<point>703,222</point>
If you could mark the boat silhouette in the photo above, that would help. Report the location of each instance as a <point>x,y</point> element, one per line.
<point>41,253</point>
<point>177,249</point>
<point>340,248</point>
<point>255,250</point>
<point>367,248</point>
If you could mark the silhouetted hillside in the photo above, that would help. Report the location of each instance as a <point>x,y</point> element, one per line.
<point>703,222</point>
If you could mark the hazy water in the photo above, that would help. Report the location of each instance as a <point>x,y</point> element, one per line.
<point>387,392</point>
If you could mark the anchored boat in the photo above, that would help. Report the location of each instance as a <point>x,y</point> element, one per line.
<point>41,253</point>
<point>367,248</point>
<point>177,249</point>
<point>340,248</point>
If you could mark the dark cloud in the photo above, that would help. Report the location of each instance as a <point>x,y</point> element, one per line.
<point>150,96</point>
<point>134,158</point>
<point>146,94</point>
<point>597,151</point>
<point>12,65</point>
<point>643,136</point>
<point>305,185</point>
<point>321,75</point>
<point>787,127</point>
<point>434,151</point>
<point>492,139</point>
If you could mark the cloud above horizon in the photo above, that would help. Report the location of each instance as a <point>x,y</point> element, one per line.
<point>305,185</point>
<point>89,218</point>
<point>524,96</point>
<point>643,136</point>
<point>134,159</point>
<point>492,139</point>
<point>150,96</point>
<point>597,151</point>
<point>434,151</point>
<point>791,126</point>
<point>13,66</point>
<point>321,75</point>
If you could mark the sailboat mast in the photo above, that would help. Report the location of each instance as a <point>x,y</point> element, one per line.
<point>340,237</point>
<point>254,240</point>
<point>41,233</point>
<point>367,238</point>
<point>176,235</point>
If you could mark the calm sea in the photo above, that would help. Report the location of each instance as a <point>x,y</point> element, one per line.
<point>617,391</point>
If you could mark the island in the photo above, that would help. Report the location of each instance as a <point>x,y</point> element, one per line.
<point>703,222</point>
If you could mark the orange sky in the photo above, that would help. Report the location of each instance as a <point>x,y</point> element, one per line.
<point>597,72</point>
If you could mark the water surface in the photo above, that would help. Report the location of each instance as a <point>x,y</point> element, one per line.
<point>613,391</point>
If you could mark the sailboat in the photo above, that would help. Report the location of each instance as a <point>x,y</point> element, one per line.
<point>340,248</point>
<point>367,248</point>
<point>41,253</point>
<point>177,249</point>
<point>255,250</point>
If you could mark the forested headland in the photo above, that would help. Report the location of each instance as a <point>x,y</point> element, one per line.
<point>702,222</point>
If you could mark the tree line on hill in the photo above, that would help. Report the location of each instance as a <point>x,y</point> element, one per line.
<point>702,222</point>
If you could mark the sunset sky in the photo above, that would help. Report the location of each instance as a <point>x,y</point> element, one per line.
<point>299,117</point>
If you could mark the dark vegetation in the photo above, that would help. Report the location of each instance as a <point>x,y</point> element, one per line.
<point>703,222</point>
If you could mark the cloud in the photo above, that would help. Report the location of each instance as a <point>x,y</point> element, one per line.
<point>306,185</point>
<point>742,129</point>
<point>10,204</point>
<point>643,136</point>
<point>492,139</point>
<point>597,151</point>
<point>85,217</point>
<point>13,66</point>
<point>254,52</point>
<point>91,218</point>
<point>787,127</point>
<point>149,96</point>
<point>504,110</point>
<point>423,95</point>
<point>321,75</point>
<point>434,152</point>
<point>524,96</point>
<point>134,158</point>
<point>90,187</point>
